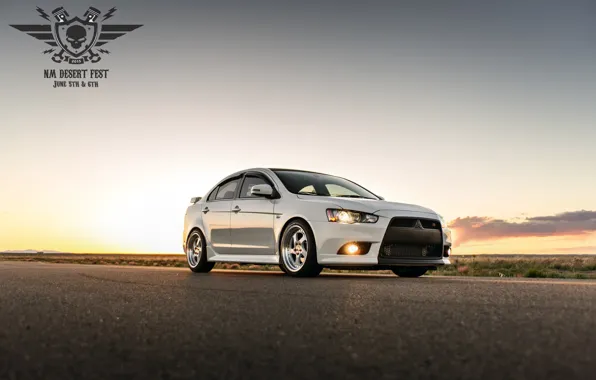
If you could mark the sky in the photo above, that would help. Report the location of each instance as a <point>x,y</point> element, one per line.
<point>482,111</point>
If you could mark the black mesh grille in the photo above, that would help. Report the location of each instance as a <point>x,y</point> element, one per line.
<point>429,224</point>
<point>411,251</point>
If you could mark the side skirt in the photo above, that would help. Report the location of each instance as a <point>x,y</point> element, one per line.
<point>248,259</point>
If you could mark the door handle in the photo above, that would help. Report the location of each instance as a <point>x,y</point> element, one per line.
<point>206,210</point>
<point>236,209</point>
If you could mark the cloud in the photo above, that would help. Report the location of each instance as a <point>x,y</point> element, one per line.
<point>476,228</point>
<point>571,216</point>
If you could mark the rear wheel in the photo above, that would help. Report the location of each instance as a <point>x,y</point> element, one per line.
<point>298,251</point>
<point>196,253</point>
<point>409,271</point>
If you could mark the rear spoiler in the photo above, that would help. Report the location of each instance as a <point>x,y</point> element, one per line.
<point>194,200</point>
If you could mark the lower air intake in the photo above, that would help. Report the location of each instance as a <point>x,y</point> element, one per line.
<point>411,251</point>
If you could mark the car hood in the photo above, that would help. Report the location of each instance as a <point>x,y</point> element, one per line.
<point>374,206</point>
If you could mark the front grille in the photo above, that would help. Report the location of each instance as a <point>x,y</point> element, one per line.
<point>428,224</point>
<point>411,251</point>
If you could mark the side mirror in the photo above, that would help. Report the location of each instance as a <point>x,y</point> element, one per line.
<point>194,200</point>
<point>262,190</point>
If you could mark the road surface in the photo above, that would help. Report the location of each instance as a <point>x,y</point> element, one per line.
<point>63,321</point>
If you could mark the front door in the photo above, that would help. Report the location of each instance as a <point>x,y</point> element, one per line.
<point>252,220</point>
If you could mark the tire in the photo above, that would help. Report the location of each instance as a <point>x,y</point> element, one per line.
<point>409,271</point>
<point>298,251</point>
<point>196,255</point>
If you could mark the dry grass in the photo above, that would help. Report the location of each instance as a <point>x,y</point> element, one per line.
<point>563,266</point>
<point>96,259</point>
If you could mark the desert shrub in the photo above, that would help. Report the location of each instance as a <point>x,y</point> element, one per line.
<point>559,266</point>
<point>535,273</point>
<point>589,266</point>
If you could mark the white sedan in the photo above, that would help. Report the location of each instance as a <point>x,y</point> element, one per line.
<point>305,221</point>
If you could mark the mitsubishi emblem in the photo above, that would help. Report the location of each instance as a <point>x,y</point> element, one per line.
<point>418,225</point>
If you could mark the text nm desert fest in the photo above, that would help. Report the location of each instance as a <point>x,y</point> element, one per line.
<point>75,77</point>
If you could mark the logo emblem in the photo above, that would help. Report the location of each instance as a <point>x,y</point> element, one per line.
<point>74,40</point>
<point>424,251</point>
<point>418,225</point>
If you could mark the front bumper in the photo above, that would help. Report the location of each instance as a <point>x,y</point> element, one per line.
<point>330,237</point>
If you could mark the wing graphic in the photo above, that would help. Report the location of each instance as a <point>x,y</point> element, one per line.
<point>95,34</point>
<point>42,32</point>
<point>110,32</point>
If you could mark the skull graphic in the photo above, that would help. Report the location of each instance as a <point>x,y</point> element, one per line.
<point>76,35</point>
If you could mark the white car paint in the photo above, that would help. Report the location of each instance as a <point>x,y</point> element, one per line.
<point>252,235</point>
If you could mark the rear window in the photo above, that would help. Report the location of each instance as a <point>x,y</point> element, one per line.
<point>227,190</point>
<point>213,194</point>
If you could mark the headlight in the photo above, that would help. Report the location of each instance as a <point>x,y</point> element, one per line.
<point>350,217</point>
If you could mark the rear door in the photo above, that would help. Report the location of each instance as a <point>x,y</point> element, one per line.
<point>252,219</point>
<point>216,215</point>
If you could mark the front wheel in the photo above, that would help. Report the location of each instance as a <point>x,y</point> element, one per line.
<point>298,251</point>
<point>196,253</point>
<point>409,271</point>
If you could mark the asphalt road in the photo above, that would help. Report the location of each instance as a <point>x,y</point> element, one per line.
<point>63,321</point>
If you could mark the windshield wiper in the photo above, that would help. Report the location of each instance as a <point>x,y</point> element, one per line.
<point>352,196</point>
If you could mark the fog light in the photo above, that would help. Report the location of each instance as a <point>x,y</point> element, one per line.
<point>352,249</point>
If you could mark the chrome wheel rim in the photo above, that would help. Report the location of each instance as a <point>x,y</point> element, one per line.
<point>194,250</point>
<point>295,248</point>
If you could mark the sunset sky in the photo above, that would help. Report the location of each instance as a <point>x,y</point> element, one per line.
<point>483,111</point>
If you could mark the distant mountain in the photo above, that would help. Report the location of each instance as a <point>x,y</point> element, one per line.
<point>29,251</point>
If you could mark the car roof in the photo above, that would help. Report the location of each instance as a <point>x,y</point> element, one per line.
<point>266,171</point>
<point>295,170</point>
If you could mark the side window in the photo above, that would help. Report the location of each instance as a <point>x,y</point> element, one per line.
<point>310,189</point>
<point>212,195</point>
<point>227,190</point>
<point>338,191</point>
<point>249,182</point>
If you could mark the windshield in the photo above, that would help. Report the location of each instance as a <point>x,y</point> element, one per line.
<point>307,183</point>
